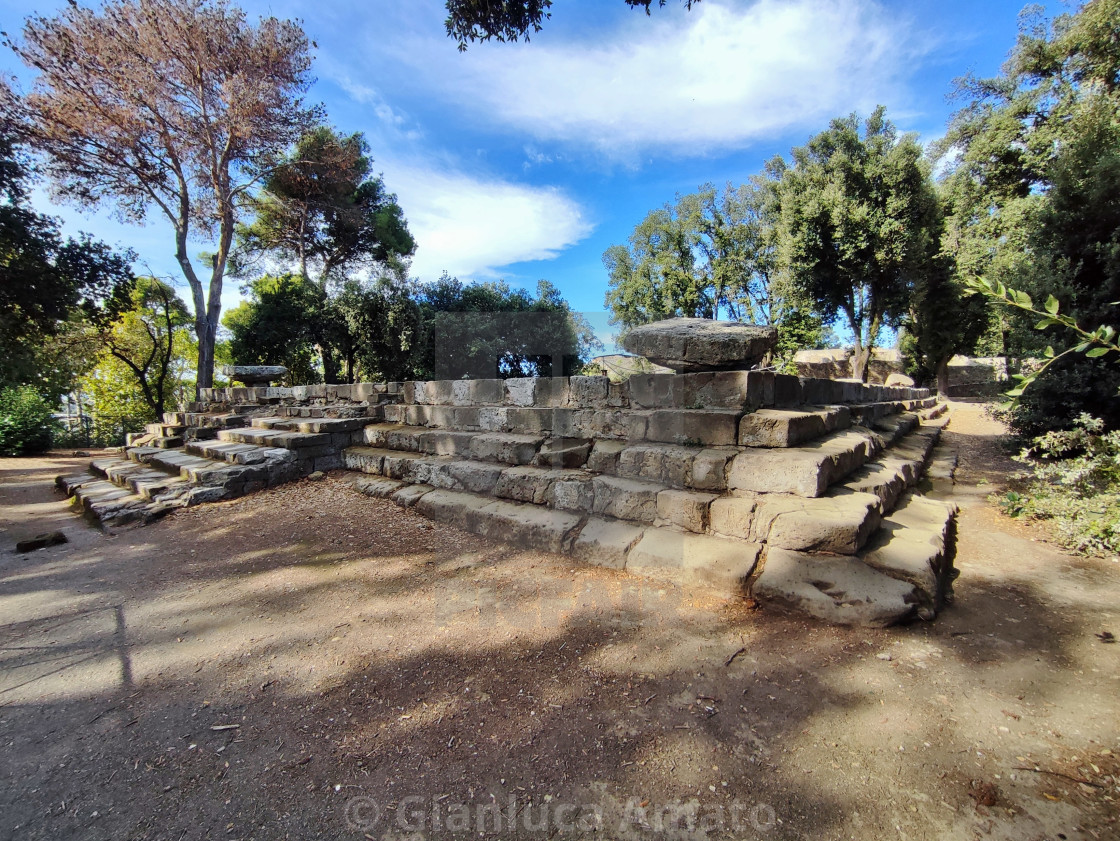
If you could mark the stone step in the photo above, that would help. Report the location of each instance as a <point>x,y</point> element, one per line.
<point>917,544</point>
<point>839,589</point>
<point>789,427</point>
<point>642,550</point>
<point>906,569</point>
<point>807,470</point>
<point>934,411</point>
<point>210,420</point>
<point>234,453</point>
<point>272,438</point>
<point>110,504</point>
<point>840,525</point>
<point>313,425</point>
<point>899,468</point>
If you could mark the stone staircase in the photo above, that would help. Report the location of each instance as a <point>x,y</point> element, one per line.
<point>208,456</point>
<point>801,493</point>
<point>811,506</point>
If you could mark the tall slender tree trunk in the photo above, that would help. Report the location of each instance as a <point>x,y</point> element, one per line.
<point>943,377</point>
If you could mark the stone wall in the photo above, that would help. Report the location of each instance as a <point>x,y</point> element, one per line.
<point>582,406</point>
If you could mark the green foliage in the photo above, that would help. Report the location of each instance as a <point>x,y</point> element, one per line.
<point>277,326</point>
<point>707,254</point>
<point>391,329</point>
<point>1076,485</point>
<point>1035,208</point>
<point>861,225</point>
<point>1065,385</point>
<point>143,364</point>
<point>490,330</point>
<point>46,282</point>
<point>26,421</point>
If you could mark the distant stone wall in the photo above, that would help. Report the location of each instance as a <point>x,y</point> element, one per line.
<point>836,364</point>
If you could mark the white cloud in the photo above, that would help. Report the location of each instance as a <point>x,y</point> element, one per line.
<point>723,75</point>
<point>472,227</point>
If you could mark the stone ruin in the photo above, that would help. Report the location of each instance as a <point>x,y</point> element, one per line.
<point>799,492</point>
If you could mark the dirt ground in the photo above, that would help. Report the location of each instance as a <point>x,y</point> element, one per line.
<point>311,663</point>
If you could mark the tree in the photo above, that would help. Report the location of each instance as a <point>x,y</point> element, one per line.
<point>320,209</point>
<point>707,254</point>
<point>276,326</point>
<point>145,339</point>
<point>46,280</point>
<point>860,224</point>
<point>509,20</point>
<point>177,105</point>
<point>1036,163</point>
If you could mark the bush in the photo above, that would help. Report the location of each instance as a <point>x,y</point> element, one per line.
<point>26,422</point>
<point>1076,484</point>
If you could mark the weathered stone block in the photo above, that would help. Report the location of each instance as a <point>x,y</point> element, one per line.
<point>604,456</point>
<point>363,459</point>
<point>700,344</point>
<point>840,525</point>
<point>525,525</point>
<point>842,590</point>
<point>625,499</point>
<point>696,427</point>
<point>784,427</point>
<point>686,509</point>
<point>360,392</point>
<point>572,493</point>
<point>653,391</point>
<point>409,495</point>
<point>588,392</point>
<point>486,392</point>
<point>662,463</point>
<point>445,442</point>
<point>563,452</point>
<point>508,448</point>
<point>524,484</point>
<point>724,564</point>
<point>733,516</point>
<point>606,542</point>
<point>709,468</point>
<point>805,471</point>
<point>473,476</point>
<point>493,419</point>
<point>451,507</point>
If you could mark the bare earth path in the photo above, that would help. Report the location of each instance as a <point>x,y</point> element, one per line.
<point>310,663</point>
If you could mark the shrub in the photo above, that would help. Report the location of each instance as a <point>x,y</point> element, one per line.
<point>1076,485</point>
<point>26,421</point>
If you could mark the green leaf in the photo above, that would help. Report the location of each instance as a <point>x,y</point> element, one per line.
<point>1052,305</point>
<point>1046,322</point>
<point>1049,351</point>
<point>1097,351</point>
<point>1084,346</point>
<point>1015,392</point>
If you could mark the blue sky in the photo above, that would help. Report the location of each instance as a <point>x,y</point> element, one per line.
<point>527,161</point>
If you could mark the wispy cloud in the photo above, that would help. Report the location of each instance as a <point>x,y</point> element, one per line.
<point>472,226</point>
<point>726,74</point>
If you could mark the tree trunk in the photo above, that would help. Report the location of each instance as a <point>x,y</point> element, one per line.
<point>943,378</point>
<point>860,362</point>
<point>206,337</point>
<point>331,366</point>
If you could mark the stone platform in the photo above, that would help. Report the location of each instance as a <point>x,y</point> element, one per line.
<point>801,493</point>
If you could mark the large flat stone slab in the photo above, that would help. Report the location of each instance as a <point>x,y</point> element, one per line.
<point>843,590</point>
<point>700,344</point>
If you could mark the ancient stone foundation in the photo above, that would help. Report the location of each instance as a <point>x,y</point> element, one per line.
<point>802,493</point>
